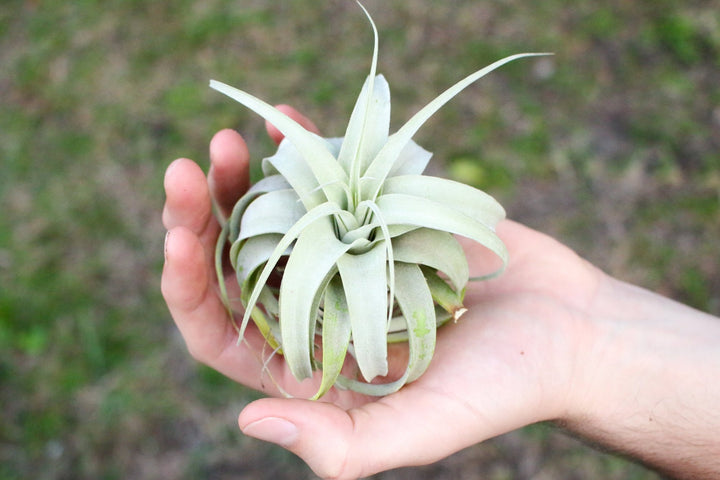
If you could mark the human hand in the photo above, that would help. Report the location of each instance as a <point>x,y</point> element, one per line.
<point>508,362</point>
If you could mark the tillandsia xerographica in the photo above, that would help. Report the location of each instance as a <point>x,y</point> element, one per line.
<point>362,242</point>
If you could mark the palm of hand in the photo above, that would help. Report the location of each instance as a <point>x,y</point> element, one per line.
<point>506,363</point>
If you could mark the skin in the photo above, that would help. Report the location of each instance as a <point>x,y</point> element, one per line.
<point>552,339</point>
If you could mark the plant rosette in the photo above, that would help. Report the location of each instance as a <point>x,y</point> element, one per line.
<point>345,246</point>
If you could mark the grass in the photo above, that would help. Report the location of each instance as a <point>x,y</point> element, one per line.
<point>611,145</point>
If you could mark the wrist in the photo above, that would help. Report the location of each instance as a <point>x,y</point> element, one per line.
<point>649,382</point>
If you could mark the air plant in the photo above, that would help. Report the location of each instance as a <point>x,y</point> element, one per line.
<point>345,246</point>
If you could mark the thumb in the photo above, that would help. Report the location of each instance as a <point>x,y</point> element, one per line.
<point>349,444</point>
<point>317,432</point>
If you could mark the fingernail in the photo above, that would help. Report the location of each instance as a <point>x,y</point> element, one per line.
<point>272,429</point>
<point>167,235</point>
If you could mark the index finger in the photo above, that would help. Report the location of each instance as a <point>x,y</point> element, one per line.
<point>229,176</point>
<point>305,122</point>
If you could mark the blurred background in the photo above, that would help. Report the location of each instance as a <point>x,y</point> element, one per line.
<point>612,145</point>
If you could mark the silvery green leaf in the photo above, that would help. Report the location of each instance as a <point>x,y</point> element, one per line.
<point>327,171</point>
<point>334,144</point>
<point>322,211</point>
<point>266,323</point>
<point>265,185</point>
<point>365,235</point>
<point>335,335</point>
<point>289,163</point>
<point>415,301</point>
<point>436,249</point>
<point>387,242</point>
<point>412,160</point>
<point>408,209</point>
<point>363,231</point>
<point>369,126</point>
<point>368,307</point>
<point>386,158</point>
<point>372,229</point>
<point>219,272</point>
<point>451,300</point>
<point>367,130</point>
<point>458,196</point>
<point>397,331</point>
<point>344,223</point>
<point>273,212</point>
<point>252,253</point>
<point>308,269</point>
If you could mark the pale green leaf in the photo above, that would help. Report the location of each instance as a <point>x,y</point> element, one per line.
<point>451,300</point>
<point>252,253</point>
<point>436,249</point>
<point>267,184</point>
<point>362,231</point>
<point>321,211</point>
<point>386,235</point>
<point>308,269</point>
<point>345,222</point>
<point>335,334</point>
<point>273,212</point>
<point>463,198</point>
<point>398,327</point>
<point>368,128</point>
<point>289,163</point>
<point>416,304</point>
<point>219,273</point>
<point>329,174</point>
<point>369,122</point>
<point>415,301</point>
<point>364,279</point>
<point>411,210</point>
<point>267,323</point>
<point>384,161</point>
<point>412,160</point>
